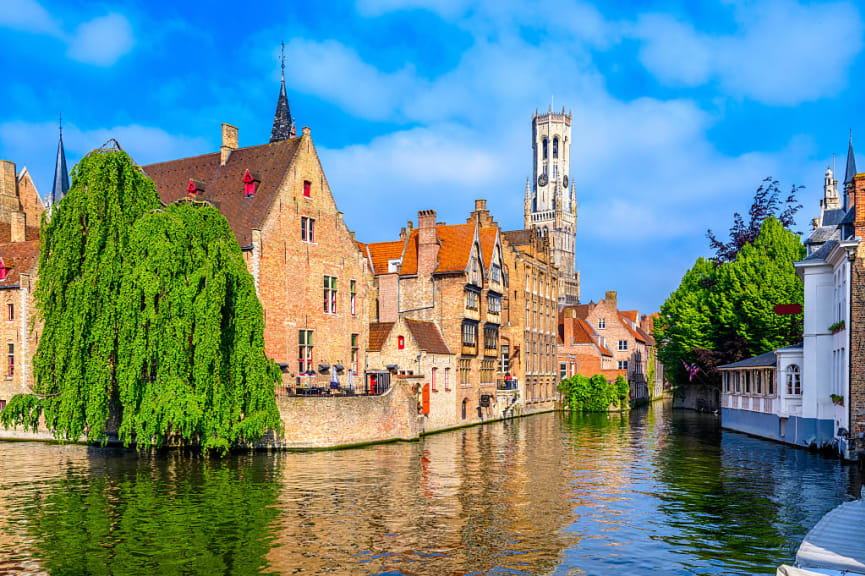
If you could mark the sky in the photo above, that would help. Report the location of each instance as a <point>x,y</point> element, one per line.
<point>679,109</point>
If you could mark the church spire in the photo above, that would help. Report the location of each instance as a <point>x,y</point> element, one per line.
<point>283,124</point>
<point>61,176</point>
<point>850,174</point>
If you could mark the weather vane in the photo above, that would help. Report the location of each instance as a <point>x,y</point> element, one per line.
<point>282,60</point>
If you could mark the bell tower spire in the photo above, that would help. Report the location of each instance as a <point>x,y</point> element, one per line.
<point>283,123</point>
<point>61,175</point>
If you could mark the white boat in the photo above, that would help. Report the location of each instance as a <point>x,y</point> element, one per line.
<point>834,546</point>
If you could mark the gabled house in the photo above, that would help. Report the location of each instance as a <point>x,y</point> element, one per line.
<point>580,350</point>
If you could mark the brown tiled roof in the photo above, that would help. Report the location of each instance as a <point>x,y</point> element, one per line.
<point>224,184</point>
<point>583,332</point>
<point>381,252</point>
<point>378,333</point>
<point>488,242</point>
<point>580,311</point>
<point>517,237</point>
<point>427,336</point>
<point>646,337</point>
<point>633,332</point>
<point>30,232</point>
<point>19,258</point>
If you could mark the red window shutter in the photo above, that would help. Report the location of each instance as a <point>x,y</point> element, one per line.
<point>307,188</point>
<point>400,342</point>
<point>425,400</point>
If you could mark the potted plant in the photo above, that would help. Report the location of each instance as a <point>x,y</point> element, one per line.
<point>837,400</point>
<point>836,327</point>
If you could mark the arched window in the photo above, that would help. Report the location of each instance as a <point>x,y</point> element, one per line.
<point>555,147</point>
<point>465,403</point>
<point>794,381</point>
<point>545,148</point>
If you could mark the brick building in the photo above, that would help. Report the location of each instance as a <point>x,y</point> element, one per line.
<point>311,277</point>
<point>20,213</point>
<point>580,350</point>
<point>856,405</point>
<point>528,348</point>
<point>451,276</point>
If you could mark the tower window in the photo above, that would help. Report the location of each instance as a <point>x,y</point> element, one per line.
<point>545,148</point>
<point>555,148</point>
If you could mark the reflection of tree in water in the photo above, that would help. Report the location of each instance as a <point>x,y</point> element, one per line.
<point>172,514</point>
<point>740,502</point>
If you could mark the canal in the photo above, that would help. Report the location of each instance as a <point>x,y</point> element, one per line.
<point>655,491</point>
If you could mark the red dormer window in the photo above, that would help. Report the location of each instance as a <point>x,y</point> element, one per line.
<point>400,342</point>
<point>307,189</point>
<point>3,270</point>
<point>249,182</point>
<point>194,188</point>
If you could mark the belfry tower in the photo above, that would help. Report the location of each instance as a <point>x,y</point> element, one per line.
<point>551,199</point>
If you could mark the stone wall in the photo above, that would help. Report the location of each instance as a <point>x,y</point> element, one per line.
<point>332,421</point>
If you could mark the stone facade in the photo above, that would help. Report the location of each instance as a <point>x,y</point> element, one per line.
<point>531,308</point>
<point>312,279</point>
<point>551,200</point>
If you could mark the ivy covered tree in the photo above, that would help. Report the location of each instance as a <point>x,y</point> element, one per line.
<point>594,394</point>
<point>92,367</point>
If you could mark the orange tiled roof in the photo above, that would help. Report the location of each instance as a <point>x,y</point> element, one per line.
<point>488,242</point>
<point>455,244</point>
<point>630,314</point>
<point>427,336</point>
<point>19,258</point>
<point>378,333</point>
<point>633,332</point>
<point>223,185</point>
<point>381,252</point>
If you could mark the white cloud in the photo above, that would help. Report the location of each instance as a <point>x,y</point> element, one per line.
<point>445,8</point>
<point>102,41</point>
<point>783,53</point>
<point>28,15</point>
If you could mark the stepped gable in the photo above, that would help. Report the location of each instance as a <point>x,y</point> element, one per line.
<point>18,258</point>
<point>427,336</point>
<point>223,185</point>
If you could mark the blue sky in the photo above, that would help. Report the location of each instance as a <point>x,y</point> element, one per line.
<point>680,109</point>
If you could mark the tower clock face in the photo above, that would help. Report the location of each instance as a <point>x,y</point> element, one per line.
<point>565,181</point>
<point>542,180</point>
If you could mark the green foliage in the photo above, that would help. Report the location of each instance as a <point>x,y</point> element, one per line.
<point>192,335</point>
<point>22,410</point>
<point>594,394</point>
<point>151,321</point>
<point>721,314</point>
<point>650,374</point>
<point>839,325</point>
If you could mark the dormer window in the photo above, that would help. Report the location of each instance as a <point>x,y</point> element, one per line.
<point>400,342</point>
<point>307,189</point>
<point>194,188</point>
<point>3,270</point>
<point>249,184</point>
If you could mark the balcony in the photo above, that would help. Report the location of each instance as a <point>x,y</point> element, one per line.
<point>511,384</point>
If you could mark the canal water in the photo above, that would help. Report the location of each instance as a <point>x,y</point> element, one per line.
<point>655,491</point>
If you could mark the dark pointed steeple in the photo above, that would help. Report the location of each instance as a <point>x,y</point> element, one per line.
<point>283,123</point>
<point>61,176</point>
<point>850,174</point>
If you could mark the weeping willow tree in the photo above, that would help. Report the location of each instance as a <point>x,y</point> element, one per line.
<point>164,341</point>
<point>192,334</point>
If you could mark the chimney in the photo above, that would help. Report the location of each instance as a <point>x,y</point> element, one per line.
<point>480,213</point>
<point>18,225</point>
<point>402,233</point>
<point>427,242</point>
<point>567,331</point>
<point>229,142</point>
<point>351,235</point>
<point>859,205</point>
<point>8,187</point>
<point>610,298</point>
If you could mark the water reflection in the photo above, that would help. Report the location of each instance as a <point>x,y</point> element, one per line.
<point>652,491</point>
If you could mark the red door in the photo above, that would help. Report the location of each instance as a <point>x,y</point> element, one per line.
<point>425,399</point>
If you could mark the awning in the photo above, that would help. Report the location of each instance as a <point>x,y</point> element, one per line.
<point>837,542</point>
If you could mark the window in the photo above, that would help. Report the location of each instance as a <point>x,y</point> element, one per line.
<point>432,379</point>
<point>505,359</point>
<point>563,370</point>
<point>487,371</point>
<point>623,364</point>
<point>353,302</point>
<point>248,184</point>
<point>305,351</point>
<point>725,378</point>
<point>470,334</point>
<point>3,270</point>
<point>447,379</point>
<point>496,274</point>
<point>400,342</point>
<point>10,309</point>
<point>472,300</point>
<point>794,383</point>
<point>465,367</point>
<point>602,323</point>
<point>465,402</point>
<point>307,229</point>
<point>10,356</point>
<point>494,304</point>
<point>2,405</point>
<point>545,148</point>
<point>491,337</point>
<point>738,382</point>
<point>758,382</point>
<point>770,382</point>
<point>555,147</point>
<point>355,354</point>
<point>307,189</point>
<point>474,271</point>
<point>330,294</point>
<point>623,345</point>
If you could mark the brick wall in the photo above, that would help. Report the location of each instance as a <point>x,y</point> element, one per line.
<point>857,328</point>
<point>16,332</point>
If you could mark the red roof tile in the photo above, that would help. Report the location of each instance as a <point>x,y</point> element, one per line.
<point>381,252</point>
<point>455,246</point>
<point>223,185</point>
<point>19,258</point>
<point>488,242</point>
<point>633,332</point>
<point>427,336</point>
<point>378,333</point>
<point>630,314</point>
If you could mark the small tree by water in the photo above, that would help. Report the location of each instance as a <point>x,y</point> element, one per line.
<point>595,394</point>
